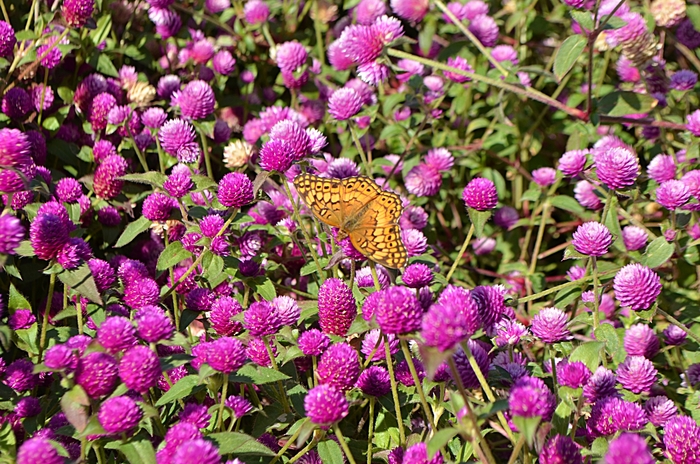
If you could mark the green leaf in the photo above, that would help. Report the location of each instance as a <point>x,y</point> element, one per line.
<point>567,54</point>
<point>239,443</point>
<point>104,26</point>
<point>256,375</point>
<point>132,231</point>
<point>27,339</point>
<point>74,404</point>
<point>426,36</point>
<point>66,94</point>
<point>203,183</point>
<point>527,426</point>
<point>693,14</point>
<point>266,289</point>
<point>51,123</point>
<point>330,452</point>
<point>588,353</point>
<point>81,281</point>
<point>17,300</point>
<point>657,253</point>
<point>138,452</point>
<point>567,203</point>
<point>625,103</point>
<point>153,178</point>
<point>478,219</point>
<point>105,66</point>
<point>183,388</point>
<point>613,345</point>
<point>172,255</point>
<point>439,440</point>
<point>25,249</point>
<point>571,253</point>
<point>584,19</point>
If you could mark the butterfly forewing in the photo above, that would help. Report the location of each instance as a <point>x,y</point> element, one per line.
<point>322,196</point>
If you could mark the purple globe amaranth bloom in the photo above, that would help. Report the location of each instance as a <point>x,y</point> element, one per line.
<point>98,110</point>
<point>68,190</point>
<point>681,436</point>
<point>660,410</point>
<point>561,449</point>
<point>7,39</point>
<point>600,385</point>
<point>611,414</point>
<point>107,183</point>
<point>367,11</point>
<point>139,369</point>
<point>573,374</point>
<point>313,342</point>
<point>177,137</point>
<point>415,242</point>
<point>530,397</point>
<point>221,316</point>
<point>485,29</point>
<point>256,12</point>
<point>640,340</point>
<point>119,415</point>
<point>97,373</point>
<point>344,103</point>
<point>141,292</point>
<point>116,334</point>
<point>672,194</point>
<point>445,325</point>
<point>287,309</point>
<point>423,180</point>
<point>60,357</point>
<point>76,13</point>
<point>48,234</point>
<point>239,406</point>
<point>509,332</point>
<point>398,311</point>
<point>460,63</point>
<point>480,194</point>
<point>223,62</point>
<point>325,405</point>
<point>464,368</point>
<point>17,103</point>
<point>235,190</point>
<point>506,217</point>
<point>11,234</point>
<point>103,149</point>
<point>634,238</point>
<point>662,168</point>
<point>153,324</point>
<point>491,305</point>
<point>198,450</point>
<point>157,207</point>
<point>261,319</point>
<point>417,275</point>
<point>373,345</point>
<point>226,355</point>
<point>21,319</point>
<point>629,448</point>
<point>692,181</point>
<point>674,335</point>
<point>257,352</point>
<point>28,407</point>
<point>339,366</point>
<point>211,225</point>
<point>544,176</point>
<point>636,374</point>
<point>154,117</point>
<point>195,414</point>
<point>592,239</point>
<point>410,10</point>
<point>179,182</point>
<point>684,80</point>
<point>549,325</point>
<point>418,454</point>
<point>617,167</point>
<point>196,100</point>
<point>20,376</point>
<point>337,307</point>
<point>636,286</point>
<point>693,123</point>
<point>374,381</point>
<point>36,450</point>
<point>584,192</point>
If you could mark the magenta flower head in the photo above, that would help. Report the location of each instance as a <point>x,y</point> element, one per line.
<point>693,124</point>
<point>119,415</point>
<point>573,374</point>
<point>276,155</point>
<point>7,40</point>
<point>48,234</point>
<point>197,450</point>
<point>674,335</point>
<point>325,405</point>
<point>423,180</point>
<point>636,286</point>
<point>116,334</point>
<point>196,100</point>
<point>452,320</point>
<point>37,450</point>
<point>662,168</point>
<point>261,319</point>
<point>103,273</point>
<point>20,376</point>
<point>544,176</point>
<point>637,374</point>
<point>142,292</point>
<point>410,10</point>
<point>572,162</point>
<point>291,56</point>
<point>226,355</point>
<point>692,180</point>
<point>460,63</point>
<point>681,436</point>
<point>485,29</point>
<point>139,368</point>
<point>629,448</point>
<point>640,340</point>
<point>683,80</point>
<point>374,381</point>
<point>28,407</point>
<point>11,234</point>
<point>417,275</point>
<point>592,239</point>
<point>17,103</point>
<point>530,397</point>
<point>398,311</point>
<point>223,62</point>
<point>549,325</point>
<point>480,194</point>
<point>179,182</point>
<point>178,139</point>
<point>313,342</point>
<point>339,366</point>
<point>157,207</point>
<point>672,194</point>
<point>660,410</point>
<point>107,183</point>
<point>337,307</point>
<point>634,237</point>
<point>76,13</point>
<point>97,373</point>
<point>600,385</point>
<point>418,454</point>
<point>617,167</point>
<point>256,12</point>
<point>221,316</point>
<point>153,324</point>
<point>464,368</point>
<point>491,305</point>
<point>235,190</point>
<point>561,449</point>
<point>584,192</point>
<point>344,103</point>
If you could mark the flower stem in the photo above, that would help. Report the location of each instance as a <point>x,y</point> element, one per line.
<point>224,391</point>
<point>45,320</point>
<point>79,315</point>
<point>461,253</point>
<point>289,443</point>
<point>419,385</point>
<point>370,432</point>
<point>540,236</point>
<point>678,324</point>
<point>596,298</point>
<point>283,396</point>
<point>375,277</point>
<point>343,445</point>
<point>360,150</point>
<point>394,391</point>
<point>516,450</point>
<point>205,149</point>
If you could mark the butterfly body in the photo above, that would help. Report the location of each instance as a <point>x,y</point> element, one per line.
<point>361,210</point>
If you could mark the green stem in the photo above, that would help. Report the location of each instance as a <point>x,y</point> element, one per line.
<point>516,450</point>
<point>304,450</point>
<point>575,283</point>
<point>280,386</point>
<point>343,444</point>
<point>540,236</point>
<point>461,253</point>
<point>394,391</point>
<point>596,298</point>
<point>289,443</point>
<point>207,158</point>
<point>267,35</point>
<point>224,391</point>
<point>375,277</point>
<point>678,324</point>
<point>419,385</point>
<point>79,314</point>
<point>553,363</point>
<point>45,320</point>
<point>360,150</point>
<point>370,432</point>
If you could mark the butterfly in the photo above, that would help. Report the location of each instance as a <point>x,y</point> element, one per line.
<point>361,210</point>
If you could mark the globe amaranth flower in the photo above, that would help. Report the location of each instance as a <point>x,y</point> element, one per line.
<point>415,242</point>
<point>60,357</point>
<point>374,381</point>
<point>681,436</point>
<point>485,29</point>
<point>344,103</point>
<point>636,374</point>
<point>116,334</point>
<point>634,237</point>
<point>235,190</point>
<point>640,340</point>
<point>612,414</point>
<point>313,342</point>
<point>687,34</point>
<point>660,410</point>
<point>177,137</point>
<point>464,368</point>
<point>600,385</point>
<point>403,372</point>
<point>490,304</point>
<point>198,450</point>
<point>195,414</point>
<point>398,311</point>
<point>460,63</point>
<point>256,12</point>
<point>239,406</point>
<point>200,299</point>
<point>452,320</point>
<point>423,180</point>
<point>561,449</point>
<point>20,376</point>
<point>544,176</point>
<point>17,103</point>
<point>572,374</point>
<point>337,307</point>
<point>99,108</point>
<point>672,194</point>
<point>38,449</point>
<point>692,181</point>
<point>549,325</point>
<point>636,286</point>
<point>480,194</point>
<point>48,234</point>
<point>257,351</point>
<point>573,162</point>
<point>7,39</point>
<point>119,415</point>
<point>629,448</point>
<point>97,373</point>
<point>662,168</point>
<point>290,56</point>
<point>221,316</point>
<point>211,225</point>
<point>153,324</point>
<point>225,355</point>
<point>28,407</point>
<point>141,292</point>
<point>674,335</point>
<point>157,207</point>
<point>196,100</point>
<point>76,13</point>
<point>261,319</point>
<point>684,80</point>
<point>107,183</point>
<point>693,124</point>
<point>530,397</point>
<point>417,275</point>
<point>12,233</point>
<point>139,369</point>
<point>418,454</point>
<point>584,192</point>
<point>339,366</point>
<point>617,167</point>
<point>506,217</point>
<point>409,10</point>
<point>325,405</point>
<point>592,239</point>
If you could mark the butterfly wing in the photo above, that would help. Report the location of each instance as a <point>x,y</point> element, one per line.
<point>322,196</point>
<point>356,194</point>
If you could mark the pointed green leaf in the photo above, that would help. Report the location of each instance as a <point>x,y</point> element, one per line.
<point>330,452</point>
<point>172,255</point>
<point>657,253</point>
<point>132,231</point>
<point>74,404</point>
<point>239,443</point>
<point>439,440</point>
<point>139,452</point>
<point>478,219</point>
<point>183,388</point>
<point>527,426</point>
<point>567,54</point>
<point>588,353</point>
<point>81,281</point>
<point>152,178</point>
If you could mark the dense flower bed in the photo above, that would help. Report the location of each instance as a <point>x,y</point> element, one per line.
<point>169,294</point>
